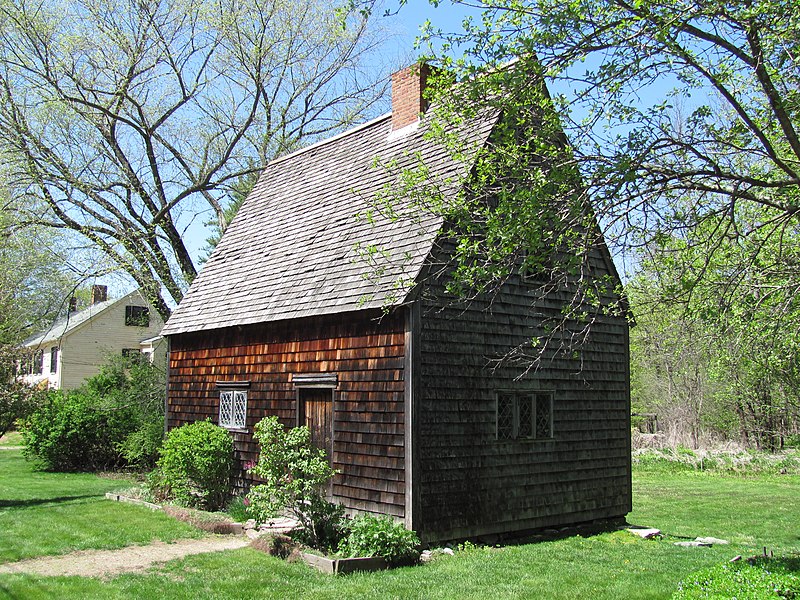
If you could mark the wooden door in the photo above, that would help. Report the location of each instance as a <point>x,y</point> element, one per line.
<point>317,414</point>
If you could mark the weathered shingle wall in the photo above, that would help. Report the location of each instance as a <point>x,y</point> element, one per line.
<point>365,352</point>
<point>471,483</point>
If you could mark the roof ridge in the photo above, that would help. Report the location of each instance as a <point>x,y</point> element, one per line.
<point>338,136</point>
<point>73,319</point>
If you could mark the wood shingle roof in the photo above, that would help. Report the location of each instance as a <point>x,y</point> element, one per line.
<point>292,250</point>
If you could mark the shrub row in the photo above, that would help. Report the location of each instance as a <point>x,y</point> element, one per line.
<point>115,419</point>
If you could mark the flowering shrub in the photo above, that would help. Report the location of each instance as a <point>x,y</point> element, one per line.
<point>295,474</point>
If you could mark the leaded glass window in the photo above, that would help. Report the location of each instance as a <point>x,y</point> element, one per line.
<point>524,415</point>
<point>505,417</point>
<point>544,416</point>
<point>233,408</point>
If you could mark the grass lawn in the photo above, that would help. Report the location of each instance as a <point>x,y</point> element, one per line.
<point>750,512</point>
<point>11,438</point>
<point>56,513</point>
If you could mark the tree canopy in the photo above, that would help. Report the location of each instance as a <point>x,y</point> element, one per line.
<point>130,119</point>
<point>674,124</point>
<point>34,283</point>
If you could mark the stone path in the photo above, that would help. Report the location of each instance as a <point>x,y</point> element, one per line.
<point>106,563</point>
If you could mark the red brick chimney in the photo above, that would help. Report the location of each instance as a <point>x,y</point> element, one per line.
<point>407,102</point>
<point>99,294</point>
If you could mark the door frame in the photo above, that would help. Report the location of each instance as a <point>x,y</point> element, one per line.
<point>305,381</point>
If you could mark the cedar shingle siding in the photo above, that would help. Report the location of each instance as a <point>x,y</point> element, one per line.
<point>364,351</point>
<point>469,482</point>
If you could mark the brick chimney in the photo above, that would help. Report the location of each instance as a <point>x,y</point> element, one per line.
<point>407,102</point>
<point>99,294</point>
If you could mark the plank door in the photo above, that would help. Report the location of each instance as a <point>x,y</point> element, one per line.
<point>316,405</point>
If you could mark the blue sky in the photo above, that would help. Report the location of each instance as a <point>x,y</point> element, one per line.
<point>414,13</point>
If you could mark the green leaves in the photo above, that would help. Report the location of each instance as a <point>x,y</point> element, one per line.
<point>195,466</point>
<point>372,535</point>
<point>294,473</point>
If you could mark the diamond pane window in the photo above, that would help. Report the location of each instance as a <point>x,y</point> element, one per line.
<point>524,415</point>
<point>226,409</point>
<point>544,416</point>
<point>239,408</point>
<point>525,412</point>
<point>233,404</point>
<point>505,417</point>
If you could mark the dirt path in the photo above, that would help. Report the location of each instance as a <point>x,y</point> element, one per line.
<point>106,563</point>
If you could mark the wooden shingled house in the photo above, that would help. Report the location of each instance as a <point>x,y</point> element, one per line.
<point>287,319</point>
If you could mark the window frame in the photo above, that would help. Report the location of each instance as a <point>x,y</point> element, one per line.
<point>54,352</point>
<point>137,316</point>
<point>511,423</point>
<point>233,391</point>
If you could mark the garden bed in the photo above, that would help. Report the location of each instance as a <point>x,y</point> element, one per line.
<point>341,566</point>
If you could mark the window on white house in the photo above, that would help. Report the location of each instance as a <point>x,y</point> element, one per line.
<point>54,359</point>
<point>137,316</point>
<point>232,405</point>
<point>524,415</point>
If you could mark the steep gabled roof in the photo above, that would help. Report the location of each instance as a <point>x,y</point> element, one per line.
<point>73,321</point>
<point>291,251</point>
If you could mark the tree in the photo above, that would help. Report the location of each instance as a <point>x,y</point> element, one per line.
<point>33,280</point>
<point>294,475</point>
<point>128,119</point>
<point>666,118</point>
<point>17,400</point>
<point>725,358</point>
<point>725,134</point>
<point>240,189</point>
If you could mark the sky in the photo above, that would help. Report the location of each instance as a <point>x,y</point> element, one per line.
<point>405,21</point>
<point>410,17</point>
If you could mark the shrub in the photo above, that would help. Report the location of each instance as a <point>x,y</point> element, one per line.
<point>194,468</point>
<point>76,432</point>
<point>380,536</point>
<point>294,473</point>
<point>17,400</point>
<point>115,419</point>
<point>239,509</point>
<point>745,580</point>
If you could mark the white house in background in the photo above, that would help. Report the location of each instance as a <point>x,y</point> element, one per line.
<point>76,346</point>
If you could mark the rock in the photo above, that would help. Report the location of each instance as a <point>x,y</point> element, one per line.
<point>711,540</point>
<point>252,533</point>
<point>250,524</point>
<point>448,551</point>
<point>426,556</point>
<point>647,533</point>
<point>694,544</point>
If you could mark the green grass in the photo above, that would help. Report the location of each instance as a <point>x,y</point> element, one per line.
<point>751,512</point>
<point>11,438</point>
<point>56,513</point>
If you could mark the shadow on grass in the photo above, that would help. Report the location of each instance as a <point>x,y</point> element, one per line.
<point>42,501</point>
<point>584,530</point>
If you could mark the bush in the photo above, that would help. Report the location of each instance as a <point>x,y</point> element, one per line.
<point>380,536</point>
<point>115,419</point>
<point>294,473</point>
<point>744,580</point>
<point>76,432</point>
<point>195,466</point>
<point>17,400</point>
